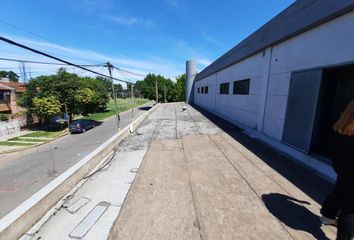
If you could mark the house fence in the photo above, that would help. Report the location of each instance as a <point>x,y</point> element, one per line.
<point>12,126</point>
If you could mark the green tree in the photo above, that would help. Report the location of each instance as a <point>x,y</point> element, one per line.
<point>12,76</point>
<point>147,86</point>
<point>105,82</point>
<point>83,96</point>
<point>46,107</point>
<point>118,87</point>
<point>174,90</point>
<point>99,99</point>
<point>179,87</point>
<point>108,86</point>
<point>77,95</point>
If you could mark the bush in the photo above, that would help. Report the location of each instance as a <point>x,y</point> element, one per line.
<point>3,117</point>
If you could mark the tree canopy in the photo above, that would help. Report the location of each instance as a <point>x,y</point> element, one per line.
<point>46,107</point>
<point>12,76</point>
<point>174,91</point>
<point>77,95</point>
<point>108,85</point>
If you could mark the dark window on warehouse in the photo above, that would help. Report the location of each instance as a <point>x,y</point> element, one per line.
<point>202,89</point>
<point>198,90</point>
<point>206,90</point>
<point>242,87</point>
<point>224,88</point>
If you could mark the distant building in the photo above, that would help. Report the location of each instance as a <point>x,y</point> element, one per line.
<point>4,79</point>
<point>9,93</point>
<point>289,81</point>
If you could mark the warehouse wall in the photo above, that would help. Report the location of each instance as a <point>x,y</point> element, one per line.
<point>206,101</point>
<point>326,45</point>
<point>270,72</point>
<point>240,108</point>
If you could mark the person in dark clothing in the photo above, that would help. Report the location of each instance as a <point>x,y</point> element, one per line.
<point>340,203</point>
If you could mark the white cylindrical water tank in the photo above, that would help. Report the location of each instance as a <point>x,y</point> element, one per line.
<point>191,72</point>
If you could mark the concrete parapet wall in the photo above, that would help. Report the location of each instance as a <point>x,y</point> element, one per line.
<point>21,219</point>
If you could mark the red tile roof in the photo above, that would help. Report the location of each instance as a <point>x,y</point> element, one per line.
<point>20,87</point>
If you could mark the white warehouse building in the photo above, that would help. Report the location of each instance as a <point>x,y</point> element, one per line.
<point>289,81</point>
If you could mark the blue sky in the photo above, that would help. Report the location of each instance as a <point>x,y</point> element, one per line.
<point>155,36</point>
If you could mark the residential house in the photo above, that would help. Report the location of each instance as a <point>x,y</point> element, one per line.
<point>9,93</point>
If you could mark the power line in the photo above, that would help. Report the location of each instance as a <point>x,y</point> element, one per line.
<point>58,59</point>
<point>35,34</point>
<point>48,63</point>
<point>24,30</point>
<point>37,68</point>
<point>132,73</point>
<point>128,77</point>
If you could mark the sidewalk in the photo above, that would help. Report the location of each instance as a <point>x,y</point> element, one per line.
<point>195,181</point>
<point>13,135</point>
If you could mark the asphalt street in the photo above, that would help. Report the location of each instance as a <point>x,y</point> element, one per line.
<point>25,172</point>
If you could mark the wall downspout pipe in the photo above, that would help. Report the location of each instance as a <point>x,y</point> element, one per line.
<point>265,86</point>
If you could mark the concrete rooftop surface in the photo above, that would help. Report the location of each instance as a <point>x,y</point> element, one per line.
<point>189,175</point>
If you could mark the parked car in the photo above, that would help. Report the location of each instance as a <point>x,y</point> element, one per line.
<point>80,126</point>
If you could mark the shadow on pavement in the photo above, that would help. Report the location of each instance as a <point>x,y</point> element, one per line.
<point>311,184</point>
<point>97,123</point>
<point>291,212</point>
<point>145,108</point>
<point>50,127</point>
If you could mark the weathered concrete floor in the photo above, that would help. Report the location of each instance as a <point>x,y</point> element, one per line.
<point>194,181</point>
<point>197,182</point>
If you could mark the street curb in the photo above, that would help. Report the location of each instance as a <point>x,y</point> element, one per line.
<point>21,219</point>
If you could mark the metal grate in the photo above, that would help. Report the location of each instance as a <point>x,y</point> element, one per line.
<point>242,87</point>
<point>224,88</point>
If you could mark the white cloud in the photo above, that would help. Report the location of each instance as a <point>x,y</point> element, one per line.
<point>130,20</point>
<point>209,39</point>
<point>203,61</point>
<point>164,67</point>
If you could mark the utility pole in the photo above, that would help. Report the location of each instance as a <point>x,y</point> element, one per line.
<point>132,100</point>
<point>110,67</point>
<point>165,93</point>
<point>157,92</point>
<point>67,114</point>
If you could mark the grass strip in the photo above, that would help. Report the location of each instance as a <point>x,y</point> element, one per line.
<point>49,135</point>
<point>9,144</point>
<point>44,134</point>
<point>27,140</point>
<point>123,105</point>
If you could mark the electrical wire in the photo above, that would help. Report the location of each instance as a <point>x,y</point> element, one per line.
<point>24,30</point>
<point>48,63</point>
<point>127,77</point>
<point>58,59</point>
<point>132,73</point>
<point>109,161</point>
<point>125,73</point>
<point>37,35</point>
